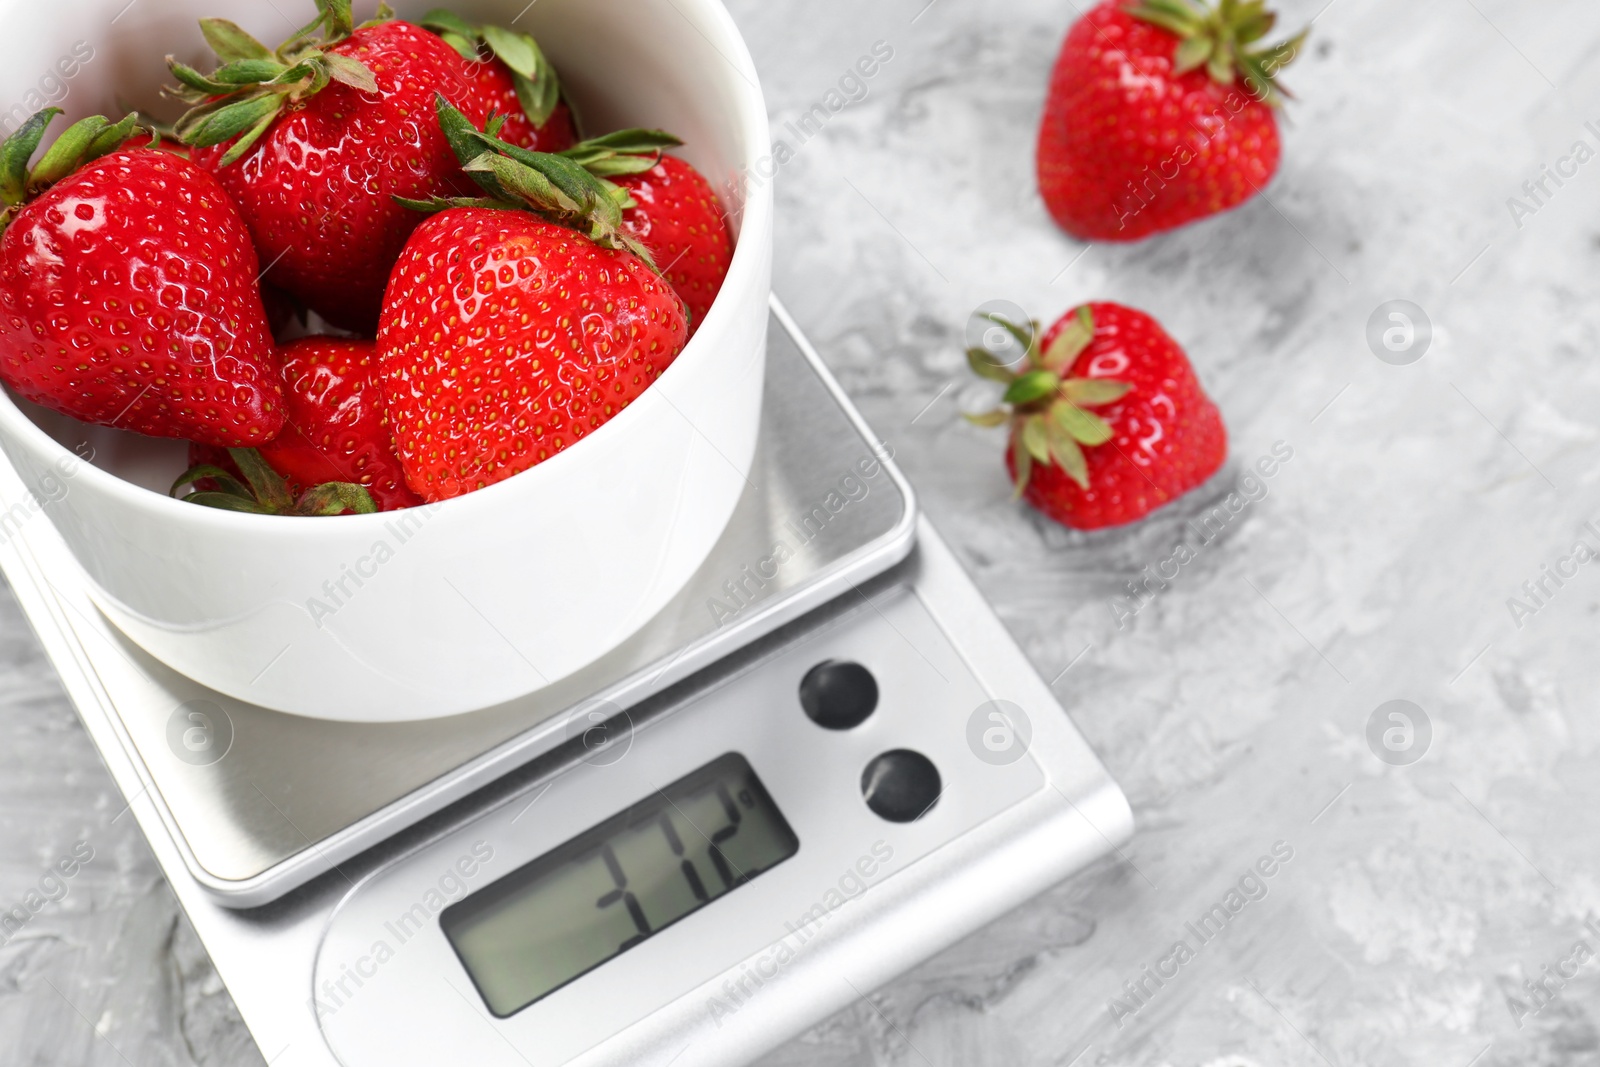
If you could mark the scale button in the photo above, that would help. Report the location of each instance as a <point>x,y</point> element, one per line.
<point>901,786</point>
<point>838,695</point>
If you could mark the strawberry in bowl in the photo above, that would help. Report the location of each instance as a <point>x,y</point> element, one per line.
<point>517,322</point>
<point>128,293</point>
<point>335,455</point>
<point>316,139</point>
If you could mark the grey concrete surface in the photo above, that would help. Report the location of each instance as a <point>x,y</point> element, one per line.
<point>1431,912</point>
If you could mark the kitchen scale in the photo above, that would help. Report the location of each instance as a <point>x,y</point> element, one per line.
<point>823,762</point>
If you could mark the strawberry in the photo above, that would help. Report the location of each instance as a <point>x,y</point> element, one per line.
<point>511,77</point>
<point>506,335</point>
<point>238,479</point>
<point>314,142</point>
<point>671,211</point>
<point>1148,126</point>
<point>128,292</point>
<point>1154,435</point>
<point>336,429</point>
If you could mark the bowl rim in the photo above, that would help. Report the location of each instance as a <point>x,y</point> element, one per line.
<point>756,221</point>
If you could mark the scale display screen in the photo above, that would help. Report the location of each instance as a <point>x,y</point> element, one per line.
<point>618,883</point>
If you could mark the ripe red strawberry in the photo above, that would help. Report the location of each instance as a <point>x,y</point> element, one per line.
<point>672,212</point>
<point>128,292</point>
<point>1154,435</point>
<point>511,77</point>
<point>1148,125</point>
<point>507,337</point>
<point>314,142</point>
<point>336,429</point>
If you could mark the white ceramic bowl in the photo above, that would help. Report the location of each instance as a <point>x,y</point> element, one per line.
<point>484,598</point>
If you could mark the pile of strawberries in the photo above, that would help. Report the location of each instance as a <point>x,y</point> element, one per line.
<point>499,288</point>
<point>1159,113</point>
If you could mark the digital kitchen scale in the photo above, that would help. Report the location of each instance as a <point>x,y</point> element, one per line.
<point>822,763</point>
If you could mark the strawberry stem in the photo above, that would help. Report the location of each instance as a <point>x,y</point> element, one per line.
<point>84,141</point>
<point>554,187</point>
<point>241,99</point>
<point>1048,412</point>
<point>1223,39</point>
<point>538,87</point>
<point>265,492</point>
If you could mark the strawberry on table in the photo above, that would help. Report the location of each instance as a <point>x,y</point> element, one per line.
<point>671,210</point>
<point>1108,421</point>
<point>510,76</point>
<point>1159,113</point>
<point>508,335</point>
<point>128,292</point>
<point>315,140</point>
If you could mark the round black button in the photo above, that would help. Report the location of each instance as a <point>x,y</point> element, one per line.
<point>901,786</point>
<point>838,695</point>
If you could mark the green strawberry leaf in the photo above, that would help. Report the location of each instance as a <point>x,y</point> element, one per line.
<point>1022,461</point>
<point>83,141</point>
<point>1034,385</point>
<point>1023,337</point>
<point>200,473</point>
<point>1224,40</point>
<point>267,484</point>
<point>227,119</point>
<point>248,139</point>
<point>550,185</point>
<point>1036,437</point>
<point>634,140</point>
<point>538,88</point>
<point>623,152</point>
<point>337,20</point>
<point>523,183</point>
<point>984,366</point>
<point>1092,392</point>
<point>988,419</point>
<point>1084,427</point>
<point>247,72</point>
<point>441,21</point>
<point>458,130</point>
<point>17,150</point>
<point>1068,456</point>
<point>202,85</point>
<point>435,204</point>
<point>518,51</point>
<point>1193,54</point>
<point>1220,67</point>
<point>224,502</point>
<point>230,42</point>
<point>385,13</point>
<point>335,498</point>
<point>1071,341</point>
<point>1255,25</point>
<point>1280,56</point>
<point>111,138</point>
<point>1174,15</point>
<point>351,72</point>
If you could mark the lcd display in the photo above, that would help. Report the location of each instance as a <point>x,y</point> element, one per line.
<point>617,884</point>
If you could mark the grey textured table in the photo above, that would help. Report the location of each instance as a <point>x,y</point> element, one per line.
<point>1420,903</point>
